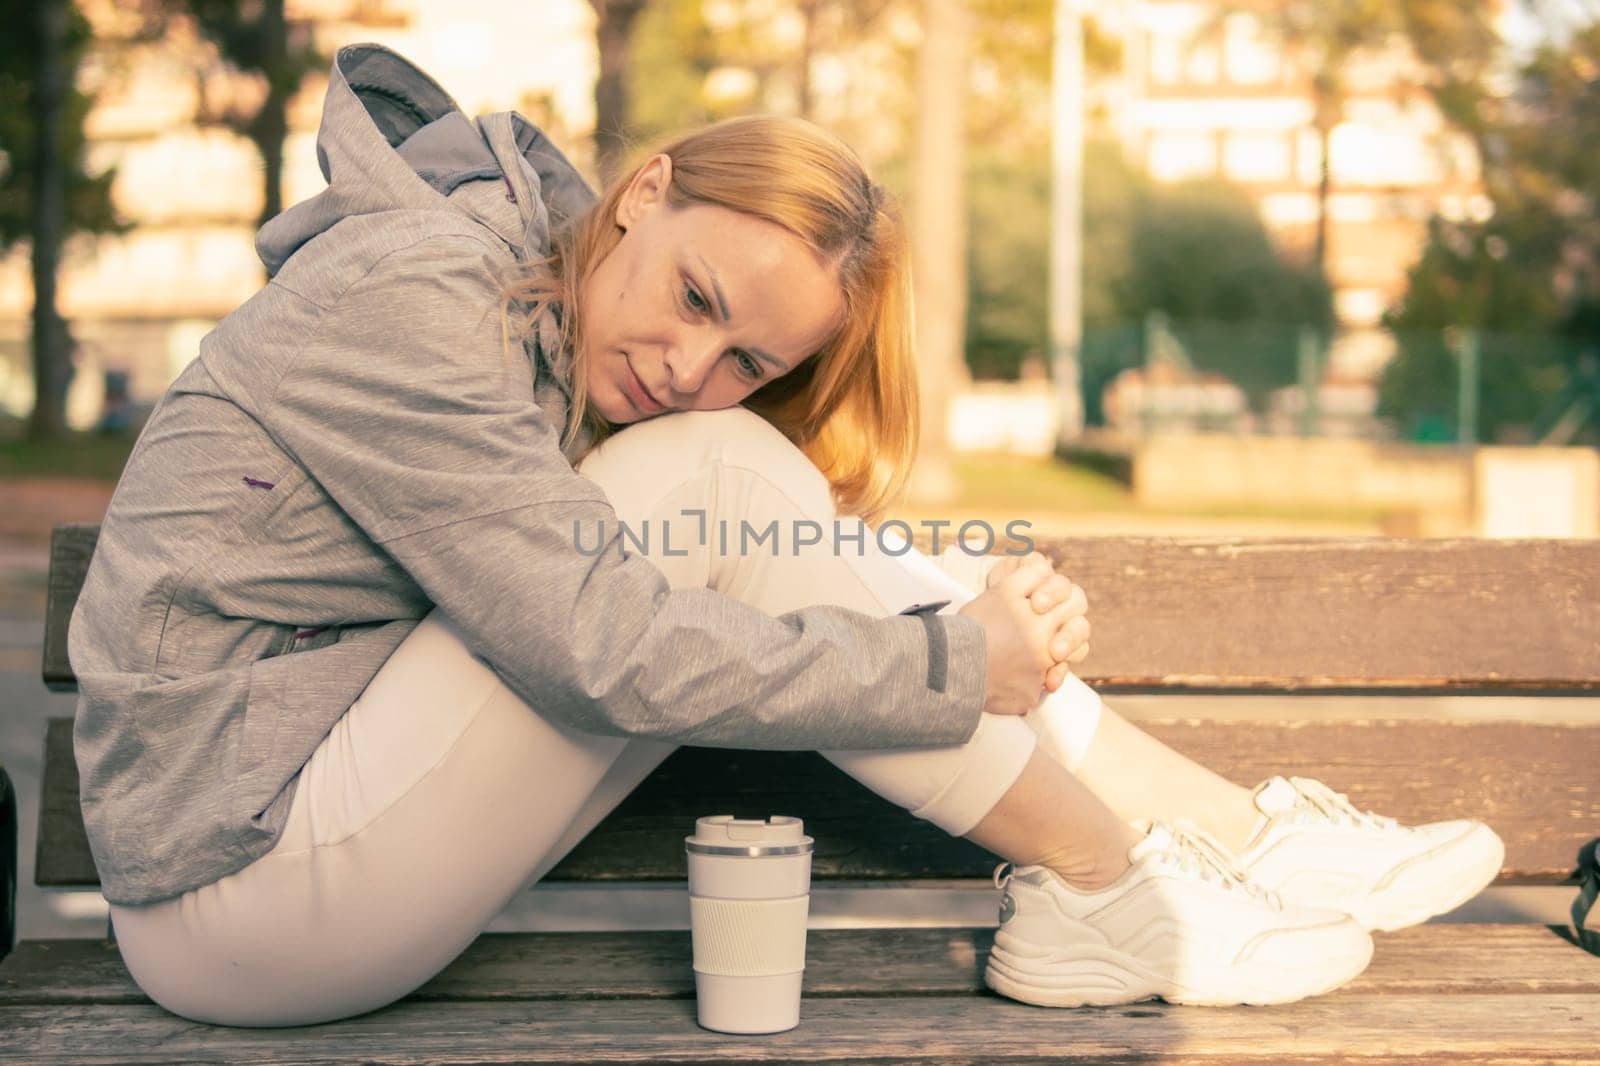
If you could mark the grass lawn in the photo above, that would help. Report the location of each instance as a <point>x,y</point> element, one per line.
<point>990,484</point>
<point>1017,482</point>
<point>78,455</point>
<point>1021,485</point>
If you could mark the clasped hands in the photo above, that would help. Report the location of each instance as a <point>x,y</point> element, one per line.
<point>1037,626</point>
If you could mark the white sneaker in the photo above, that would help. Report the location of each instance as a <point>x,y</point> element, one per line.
<point>1316,850</point>
<point>1181,924</point>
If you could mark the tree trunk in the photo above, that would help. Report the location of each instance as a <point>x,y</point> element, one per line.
<point>269,142</point>
<point>939,236</point>
<point>270,126</point>
<point>1324,187</point>
<point>613,33</point>
<point>1326,117</point>
<point>808,35</point>
<point>51,344</point>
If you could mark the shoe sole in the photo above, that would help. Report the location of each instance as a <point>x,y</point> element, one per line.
<point>1102,977</point>
<point>1399,905</point>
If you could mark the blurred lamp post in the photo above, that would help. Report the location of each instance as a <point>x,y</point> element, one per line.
<point>1066,217</point>
<point>939,238</point>
<point>1309,370</point>
<point>1466,344</point>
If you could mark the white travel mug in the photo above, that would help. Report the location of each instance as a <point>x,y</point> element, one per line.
<point>749,893</point>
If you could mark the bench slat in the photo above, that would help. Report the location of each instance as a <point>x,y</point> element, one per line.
<point>1338,614</point>
<point>1521,959</point>
<point>1324,615</point>
<point>1535,784</point>
<point>71,545</point>
<point>1466,1028</point>
<point>10,871</point>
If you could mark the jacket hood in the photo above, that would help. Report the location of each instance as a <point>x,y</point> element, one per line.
<point>392,139</point>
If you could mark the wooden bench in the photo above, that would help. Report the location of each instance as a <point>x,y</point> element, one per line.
<point>8,863</point>
<point>1170,616</point>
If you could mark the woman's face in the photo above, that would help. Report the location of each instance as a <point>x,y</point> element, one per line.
<point>697,307</point>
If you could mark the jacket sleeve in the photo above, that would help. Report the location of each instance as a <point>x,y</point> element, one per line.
<point>407,409</point>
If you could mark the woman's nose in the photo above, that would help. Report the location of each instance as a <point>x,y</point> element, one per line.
<point>690,362</point>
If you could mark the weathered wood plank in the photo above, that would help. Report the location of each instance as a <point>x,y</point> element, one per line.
<point>1329,615</point>
<point>1502,959</point>
<point>8,863</point>
<point>1340,1027</point>
<point>70,549</point>
<point>61,853</point>
<point>1338,614</point>
<point>1535,784</point>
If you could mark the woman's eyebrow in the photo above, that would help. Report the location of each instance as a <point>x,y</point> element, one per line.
<point>722,300</point>
<point>722,305</point>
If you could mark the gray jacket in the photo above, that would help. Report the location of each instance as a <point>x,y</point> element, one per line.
<point>352,448</point>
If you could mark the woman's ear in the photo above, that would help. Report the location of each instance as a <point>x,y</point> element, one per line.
<point>646,191</point>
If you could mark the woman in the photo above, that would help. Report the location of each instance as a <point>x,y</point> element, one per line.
<point>346,619</point>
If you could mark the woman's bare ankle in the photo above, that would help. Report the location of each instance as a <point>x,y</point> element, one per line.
<point>1097,865</point>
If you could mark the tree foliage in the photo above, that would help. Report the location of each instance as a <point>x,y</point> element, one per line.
<point>88,195</point>
<point>1527,279</point>
<point>763,51</point>
<point>256,40</point>
<point>1196,251</point>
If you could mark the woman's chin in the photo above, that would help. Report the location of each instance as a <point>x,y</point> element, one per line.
<point>618,411</point>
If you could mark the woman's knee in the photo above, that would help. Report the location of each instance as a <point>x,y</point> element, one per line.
<point>644,462</point>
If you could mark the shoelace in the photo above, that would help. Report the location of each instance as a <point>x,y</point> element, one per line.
<point>1195,851</point>
<point>1335,807</point>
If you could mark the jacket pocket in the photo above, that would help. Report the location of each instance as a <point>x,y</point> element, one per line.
<point>271,494</point>
<point>258,737</point>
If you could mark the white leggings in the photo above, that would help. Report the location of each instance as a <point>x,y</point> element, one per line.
<point>440,795</point>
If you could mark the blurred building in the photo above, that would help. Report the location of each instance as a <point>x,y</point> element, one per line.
<point>1216,89</point>
<point>139,303</point>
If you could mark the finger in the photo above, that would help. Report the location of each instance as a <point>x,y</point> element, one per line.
<point>1026,579</point>
<point>1057,617</point>
<point>1056,590</point>
<point>1035,560</point>
<point>1078,656</point>
<point>1050,685</point>
<point>1003,569</point>
<point>1055,677</point>
<point>1071,590</point>
<point>1060,590</point>
<point>1074,633</point>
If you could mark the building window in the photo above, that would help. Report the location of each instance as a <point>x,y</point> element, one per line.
<point>1166,59</point>
<point>1251,57</point>
<point>1184,56</point>
<point>1175,156</point>
<point>1255,157</point>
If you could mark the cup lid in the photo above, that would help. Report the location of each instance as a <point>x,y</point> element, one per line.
<point>723,834</point>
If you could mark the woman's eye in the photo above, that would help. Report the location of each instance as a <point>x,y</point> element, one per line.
<point>695,301</point>
<point>750,367</point>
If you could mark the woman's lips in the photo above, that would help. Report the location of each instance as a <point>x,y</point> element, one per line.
<point>638,395</point>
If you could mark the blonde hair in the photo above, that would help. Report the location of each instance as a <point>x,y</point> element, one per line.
<point>851,407</point>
